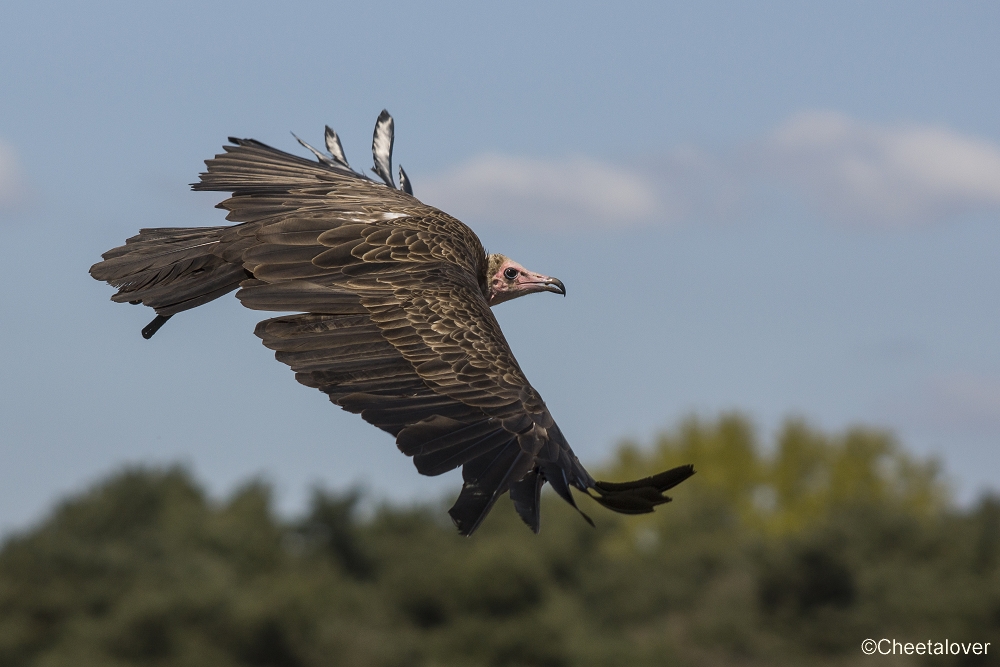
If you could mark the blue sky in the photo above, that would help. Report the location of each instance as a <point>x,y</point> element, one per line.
<point>773,207</point>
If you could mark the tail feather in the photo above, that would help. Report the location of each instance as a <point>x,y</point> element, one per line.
<point>170,270</point>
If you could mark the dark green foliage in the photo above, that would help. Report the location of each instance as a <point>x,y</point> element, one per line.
<point>330,529</point>
<point>855,540</point>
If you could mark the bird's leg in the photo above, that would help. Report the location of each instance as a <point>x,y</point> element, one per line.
<point>154,326</point>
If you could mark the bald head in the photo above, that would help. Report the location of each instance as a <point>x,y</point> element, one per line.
<point>509,280</point>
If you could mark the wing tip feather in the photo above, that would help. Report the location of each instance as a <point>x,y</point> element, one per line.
<point>640,496</point>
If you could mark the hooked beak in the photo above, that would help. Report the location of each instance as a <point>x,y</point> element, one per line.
<point>540,283</point>
<point>554,285</point>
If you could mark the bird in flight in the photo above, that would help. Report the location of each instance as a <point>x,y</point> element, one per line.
<point>395,323</point>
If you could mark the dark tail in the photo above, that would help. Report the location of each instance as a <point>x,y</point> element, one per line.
<point>170,270</point>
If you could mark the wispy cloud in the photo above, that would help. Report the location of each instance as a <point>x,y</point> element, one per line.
<point>839,168</point>
<point>530,191</point>
<point>883,174</point>
<point>12,189</point>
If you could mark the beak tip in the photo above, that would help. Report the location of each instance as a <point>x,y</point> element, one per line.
<point>547,284</point>
<point>560,288</point>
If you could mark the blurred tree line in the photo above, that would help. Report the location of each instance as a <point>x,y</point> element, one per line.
<point>787,555</point>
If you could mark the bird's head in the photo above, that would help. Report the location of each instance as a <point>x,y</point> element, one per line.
<point>509,280</point>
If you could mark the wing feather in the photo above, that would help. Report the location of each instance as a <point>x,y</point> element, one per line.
<point>382,140</point>
<point>395,324</point>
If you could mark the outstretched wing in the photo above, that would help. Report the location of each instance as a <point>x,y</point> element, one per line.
<point>285,200</point>
<point>396,326</point>
<point>398,352</point>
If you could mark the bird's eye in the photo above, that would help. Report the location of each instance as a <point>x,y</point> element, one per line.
<point>510,273</point>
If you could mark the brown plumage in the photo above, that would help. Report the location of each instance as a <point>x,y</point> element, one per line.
<point>396,323</point>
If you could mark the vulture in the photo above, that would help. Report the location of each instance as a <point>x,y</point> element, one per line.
<point>394,323</point>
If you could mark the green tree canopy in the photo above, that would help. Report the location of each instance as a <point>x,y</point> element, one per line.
<point>849,539</point>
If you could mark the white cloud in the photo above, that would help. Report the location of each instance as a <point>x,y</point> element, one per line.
<point>884,174</point>
<point>12,190</point>
<point>530,191</point>
<point>840,168</point>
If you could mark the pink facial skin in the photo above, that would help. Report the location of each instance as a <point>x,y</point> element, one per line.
<point>512,280</point>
